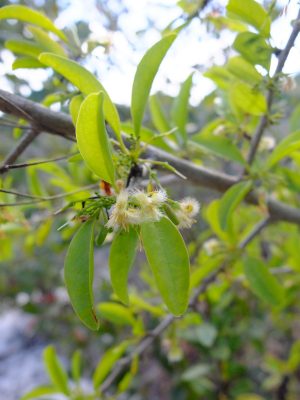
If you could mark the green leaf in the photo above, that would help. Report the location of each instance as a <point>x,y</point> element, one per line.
<point>231,200</point>
<point>79,273</point>
<point>24,47</point>
<point>40,391</point>
<point>254,49</point>
<point>243,70</point>
<point>92,138</point>
<point>76,365</point>
<point>244,98</point>
<point>26,14</point>
<point>157,114</point>
<point>85,82</point>
<point>168,258</point>
<point>44,40</point>
<point>252,13</point>
<point>262,282</point>
<point>26,62</point>
<point>294,120</point>
<point>144,77</point>
<point>287,146</point>
<point>121,258</point>
<point>74,107</point>
<point>116,313</point>
<point>220,146</point>
<point>180,108</point>
<point>220,75</point>
<point>55,370</point>
<point>107,362</point>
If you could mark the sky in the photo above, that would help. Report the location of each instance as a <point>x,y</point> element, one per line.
<point>193,47</point>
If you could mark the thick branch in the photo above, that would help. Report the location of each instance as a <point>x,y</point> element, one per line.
<point>263,123</point>
<point>61,124</point>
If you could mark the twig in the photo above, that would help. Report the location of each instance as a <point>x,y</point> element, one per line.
<point>147,340</point>
<point>25,141</point>
<point>255,231</point>
<point>7,167</point>
<point>270,94</point>
<point>36,199</point>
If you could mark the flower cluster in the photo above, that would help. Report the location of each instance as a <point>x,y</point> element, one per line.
<point>137,207</point>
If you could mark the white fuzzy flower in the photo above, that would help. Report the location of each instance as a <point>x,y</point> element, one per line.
<point>149,204</point>
<point>189,208</point>
<point>119,212</point>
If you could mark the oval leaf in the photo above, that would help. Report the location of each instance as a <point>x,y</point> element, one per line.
<point>55,370</point>
<point>26,62</point>
<point>74,107</point>
<point>168,258</point>
<point>24,47</point>
<point>45,41</point>
<point>26,14</point>
<point>287,146</point>
<point>39,391</point>
<point>85,82</point>
<point>262,282</point>
<point>144,77</point>
<point>230,201</point>
<point>107,362</point>
<point>79,271</point>
<point>121,258</point>
<point>92,138</point>
<point>116,313</point>
<point>244,98</point>
<point>180,108</point>
<point>220,146</point>
<point>252,13</point>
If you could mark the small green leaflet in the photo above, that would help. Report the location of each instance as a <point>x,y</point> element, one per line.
<point>76,365</point>
<point>220,146</point>
<point>262,282</point>
<point>92,138</point>
<point>144,77</point>
<point>107,362</point>
<point>254,49</point>
<point>45,41</point>
<point>26,62</point>
<point>157,113</point>
<point>243,70</point>
<point>180,108</point>
<point>79,273</point>
<point>40,391</point>
<point>55,370</point>
<point>121,258</point>
<point>74,107</point>
<point>116,313</point>
<point>168,258</point>
<point>231,200</point>
<point>243,97</point>
<point>26,14</point>
<point>24,47</point>
<point>85,82</point>
<point>287,146</point>
<point>252,13</point>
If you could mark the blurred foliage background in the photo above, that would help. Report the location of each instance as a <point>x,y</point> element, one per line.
<point>232,345</point>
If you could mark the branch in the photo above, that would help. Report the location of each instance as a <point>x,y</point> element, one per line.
<point>270,94</point>
<point>58,123</point>
<point>147,340</point>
